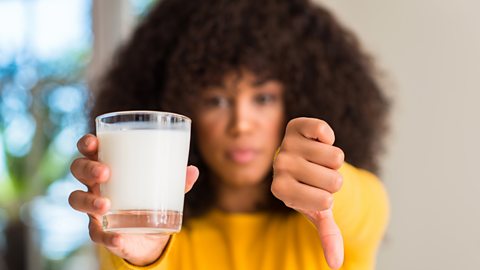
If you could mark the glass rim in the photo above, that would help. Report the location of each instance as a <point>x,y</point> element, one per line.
<point>137,112</point>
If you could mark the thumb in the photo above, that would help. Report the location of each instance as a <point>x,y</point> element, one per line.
<point>330,237</point>
<point>192,176</point>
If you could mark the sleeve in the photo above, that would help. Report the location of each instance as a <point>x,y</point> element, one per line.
<point>109,261</point>
<point>361,210</point>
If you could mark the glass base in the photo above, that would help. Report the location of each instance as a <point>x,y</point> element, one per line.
<point>143,221</point>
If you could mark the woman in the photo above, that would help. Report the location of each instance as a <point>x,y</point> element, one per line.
<point>259,79</point>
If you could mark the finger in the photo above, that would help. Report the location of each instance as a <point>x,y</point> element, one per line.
<point>312,128</point>
<point>331,238</point>
<point>192,176</point>
<point>88,203</point>
<point>89,172</point>
<point>88,146</point>
<point>299,196</point>
<point>310,173</point>
<point>101,237</point>
<point>313,151</point>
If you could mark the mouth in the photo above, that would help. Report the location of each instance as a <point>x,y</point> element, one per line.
<point>242,155</point>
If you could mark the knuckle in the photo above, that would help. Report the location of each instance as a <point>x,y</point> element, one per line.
<point>286,144</point>
<point>71,199</point>
<point>326,202</point>
<point>281,162</point>
<point>338,157</point>
<point>81,143</point>
<point>325,131</point>
<point>337,182</point>
<point>275,188</point>
<point>321,126</point>
<point>75,164</point>
<point>87,201</point>
<point>294,124</point>
<point>282,191</point>
<point>291,123</point>
<point>322,123</point>
<point>96,170</point>
<point>278,188</point>
<point>290,200</point>
<point>84,141</point>
<point>90,167</point>
<point>290,204</point>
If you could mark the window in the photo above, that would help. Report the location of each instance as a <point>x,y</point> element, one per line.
<point>44,51</point>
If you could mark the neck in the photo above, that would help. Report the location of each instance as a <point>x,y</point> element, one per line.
<point>241,199</point>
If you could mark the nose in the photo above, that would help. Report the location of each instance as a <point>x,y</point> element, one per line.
<point>241,118</point>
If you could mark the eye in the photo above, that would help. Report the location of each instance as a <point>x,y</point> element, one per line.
<point>264,98</point>
<point>216,102</point>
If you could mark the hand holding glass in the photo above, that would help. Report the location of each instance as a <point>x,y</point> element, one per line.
<point>147,153</point>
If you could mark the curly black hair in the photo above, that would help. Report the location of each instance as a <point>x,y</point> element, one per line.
<point>184,46</point>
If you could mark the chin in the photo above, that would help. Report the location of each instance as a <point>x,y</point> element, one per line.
<point>244,177</point>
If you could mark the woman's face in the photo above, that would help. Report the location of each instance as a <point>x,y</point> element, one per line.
<point>238,128</point>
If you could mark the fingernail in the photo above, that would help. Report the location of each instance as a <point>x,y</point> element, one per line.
<point>97,171</point>
<point>98,203</point>
<point>87,142</point>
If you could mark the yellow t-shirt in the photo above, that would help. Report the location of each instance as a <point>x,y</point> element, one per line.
<point>266,241</point>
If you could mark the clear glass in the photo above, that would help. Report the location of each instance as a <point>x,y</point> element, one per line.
<point>147,153</point>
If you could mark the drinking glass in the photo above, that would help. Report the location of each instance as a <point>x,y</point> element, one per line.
<point>147,154</point>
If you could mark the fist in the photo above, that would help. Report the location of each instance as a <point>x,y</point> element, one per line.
<point>305,168</point>
<point>306,176</point>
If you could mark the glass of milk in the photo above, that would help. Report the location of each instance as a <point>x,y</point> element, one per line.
<point>147,154</point>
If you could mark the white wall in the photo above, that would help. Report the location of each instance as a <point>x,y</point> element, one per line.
<point>430,51</point>
<point>112,22</point>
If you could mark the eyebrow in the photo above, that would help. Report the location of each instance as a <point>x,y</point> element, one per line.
<point>260,81</point>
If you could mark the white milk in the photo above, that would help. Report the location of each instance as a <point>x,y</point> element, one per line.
<point>148,168</point>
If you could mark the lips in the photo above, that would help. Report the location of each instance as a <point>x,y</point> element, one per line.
<point>242,156</point>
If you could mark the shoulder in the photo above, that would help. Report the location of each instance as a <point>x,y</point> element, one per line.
<point>362,211</point>
<point>364,185</point>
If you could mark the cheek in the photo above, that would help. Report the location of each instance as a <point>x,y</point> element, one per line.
<point>209,134</point>
<point>274,135</point>
<point>274,126</point>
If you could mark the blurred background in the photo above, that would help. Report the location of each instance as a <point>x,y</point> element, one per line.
<point>47,53</point>
<point>428,53</point>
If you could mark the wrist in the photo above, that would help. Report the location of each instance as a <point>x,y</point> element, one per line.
<point>149,258</point>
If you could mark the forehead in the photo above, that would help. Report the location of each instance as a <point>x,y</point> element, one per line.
<point>244,80</point>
